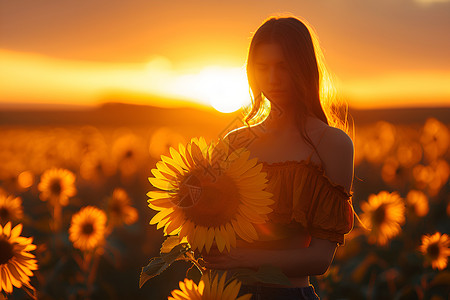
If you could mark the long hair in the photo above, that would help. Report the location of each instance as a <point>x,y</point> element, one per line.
<point>314,91</point>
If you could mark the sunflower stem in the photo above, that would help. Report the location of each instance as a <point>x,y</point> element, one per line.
<point>195,262</point>
<point>93,272</point>
<point>57,216</point>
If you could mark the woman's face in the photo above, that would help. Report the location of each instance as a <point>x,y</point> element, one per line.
<point>272,73</point>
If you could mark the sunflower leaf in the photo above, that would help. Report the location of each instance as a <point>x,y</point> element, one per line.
<point>169,243</point>
<point>155,267</point>
<point>158,264</point>
<point>176,253</point>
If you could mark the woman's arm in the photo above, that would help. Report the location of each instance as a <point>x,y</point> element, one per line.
<point>336,152</point>
<point>313,260</point>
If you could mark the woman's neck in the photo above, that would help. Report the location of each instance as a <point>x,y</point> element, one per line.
<point>283,123</point>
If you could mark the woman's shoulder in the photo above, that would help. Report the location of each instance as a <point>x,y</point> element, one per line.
<point>336,139</point>
<point>336,152</point>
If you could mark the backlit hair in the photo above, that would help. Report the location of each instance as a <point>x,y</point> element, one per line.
<point>314,89</point>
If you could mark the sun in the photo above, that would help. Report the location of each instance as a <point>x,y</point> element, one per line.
<point>226,89</point>
<point>223,88</point>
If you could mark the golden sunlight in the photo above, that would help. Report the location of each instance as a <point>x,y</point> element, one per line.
<point>225,89</point>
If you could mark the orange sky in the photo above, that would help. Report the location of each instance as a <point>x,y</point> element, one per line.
<point>384,53</point>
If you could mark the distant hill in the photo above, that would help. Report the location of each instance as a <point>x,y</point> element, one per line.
<point>118,114</point>
<point>111,114</point>
<point>401,115</point>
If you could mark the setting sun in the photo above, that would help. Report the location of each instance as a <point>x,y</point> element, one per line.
<point>225,89</point>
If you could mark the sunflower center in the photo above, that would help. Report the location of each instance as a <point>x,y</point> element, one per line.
<point>379,215</point>
<point>87,228</point>
<point>6,251</point>
<point>4,213</point>
<point>217,203</point>
<point>190,190</point>
<point>55,186</point>
<point>128,154</point>
<point>116,208</point>
<point>433,250</point>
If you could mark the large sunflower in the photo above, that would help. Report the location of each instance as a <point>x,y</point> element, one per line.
<point>436,249</point>
<point>209,289</point>
<point>384,213</point>
<point>10,208</point>
<point>87,229</point>
<point>209,195</point>
<point>16,263</point>
<point>57,186</point>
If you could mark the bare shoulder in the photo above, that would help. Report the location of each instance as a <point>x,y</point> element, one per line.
<point>336,140</point>
<point>336,152</point>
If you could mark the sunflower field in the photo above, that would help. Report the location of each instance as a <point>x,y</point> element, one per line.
<point>74,216</point>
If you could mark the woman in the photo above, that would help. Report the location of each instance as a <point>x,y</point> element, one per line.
<point>309,162</point>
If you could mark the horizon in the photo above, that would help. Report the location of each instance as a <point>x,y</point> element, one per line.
<point>68,54</point>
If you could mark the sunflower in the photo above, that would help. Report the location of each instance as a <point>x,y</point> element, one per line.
<point>10,208</point>
<point>384,213</point>
<point>119,208</point>
<point>209,289</point>
<point>128,153</point>
<point>209,195</point>
<point>57,186</point>
<point>435,139</point>
<point>436,249</point>
<point>418,202</point>
<point>393,173</point>
<point>87,229</point>
<point>16,263</point>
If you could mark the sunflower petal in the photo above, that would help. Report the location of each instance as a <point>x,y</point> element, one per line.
<point>239,231</point>
<point>186,229</point>
<point>170,162</point>
<point>235,286</point>
<point>160,215</point>
<point>158,194</point>
<point>161,175</point>
<point>250,214</point>
<point>247,226</point>
<point>224,233</point>
<point>209,239</point>
<point>231,234</point>
<point>162,167</point>
<point>220,240</point>
<point>15,232</point>
<point>177,158</point>
<point>200,237</point>
<point>252,171</point>
<point>7,229</point>
<point>161,184</point>
<point>221,284</point>
<point>182,151</point>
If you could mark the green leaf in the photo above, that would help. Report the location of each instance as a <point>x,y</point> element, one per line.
<point>177,253</point>
<point>265,274</point>
<point>158,264</point>
<point>155,267</point>
<point>169,243</point>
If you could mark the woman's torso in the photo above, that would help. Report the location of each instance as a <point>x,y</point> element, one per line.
<point>270,150</point>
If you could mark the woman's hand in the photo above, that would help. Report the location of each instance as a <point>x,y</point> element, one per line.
<point>236,258</point>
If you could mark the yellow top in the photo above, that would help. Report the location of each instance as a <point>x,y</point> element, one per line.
<point>305,196</point>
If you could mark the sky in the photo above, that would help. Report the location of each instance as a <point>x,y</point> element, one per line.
<point>384,53</point>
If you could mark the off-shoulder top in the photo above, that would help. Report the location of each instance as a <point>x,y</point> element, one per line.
<point>305,196</point>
